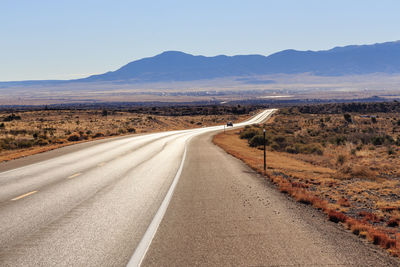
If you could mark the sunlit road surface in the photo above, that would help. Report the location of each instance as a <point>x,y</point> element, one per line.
<point>92,207</point>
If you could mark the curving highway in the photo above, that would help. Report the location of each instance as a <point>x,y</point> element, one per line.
<point>92,206</point>
<point>163,199</point>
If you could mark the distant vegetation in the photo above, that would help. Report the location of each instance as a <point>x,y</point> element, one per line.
<point>340,158</point>
<point>11,117</point>
<point>24,129</point>
<point>280,141</point>
<point>309,129</point>
<point>341,108</point>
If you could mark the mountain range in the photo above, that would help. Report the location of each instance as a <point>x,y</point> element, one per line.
<point>179,66</point>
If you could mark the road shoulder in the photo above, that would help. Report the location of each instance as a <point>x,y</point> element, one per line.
<point>223,213</point>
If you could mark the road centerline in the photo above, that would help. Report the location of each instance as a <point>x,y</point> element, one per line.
<point>24,195</point>
<point>74,175</point>
<point>144,244</point>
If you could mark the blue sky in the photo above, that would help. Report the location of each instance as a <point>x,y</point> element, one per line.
<point>66,39</point>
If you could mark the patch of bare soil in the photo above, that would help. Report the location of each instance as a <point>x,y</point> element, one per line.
<point>345,165</point>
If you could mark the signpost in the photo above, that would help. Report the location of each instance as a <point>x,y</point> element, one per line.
<point>265,163</point>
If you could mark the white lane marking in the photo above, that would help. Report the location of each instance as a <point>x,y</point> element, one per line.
<point>74,175</point>
<point>107,141</point>
<point>144,244</point>
<point>24,195</point>
<point>110,140</point>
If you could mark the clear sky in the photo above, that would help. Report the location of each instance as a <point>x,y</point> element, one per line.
<point>64,39</point>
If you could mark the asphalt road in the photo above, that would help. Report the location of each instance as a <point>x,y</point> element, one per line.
<point>224,214</point>
<point>165,199</point>
<point>91,204</point>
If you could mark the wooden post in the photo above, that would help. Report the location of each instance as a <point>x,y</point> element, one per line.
<point>265,163</point>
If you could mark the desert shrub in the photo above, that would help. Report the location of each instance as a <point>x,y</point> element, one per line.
<point>7,143</point>
<point>373,119</point>
<point>275,146</point>
<point>335,216</point>
<point>303,197</point>
<point>347,117</point>
<point>344,202</point>
<point>292,150</point>
<point>309,148</point>
<point>341,159</point>
<point>24,143</point>
<point>279,143</point>
<point>357,138</point>
<point>379,238</point>
<point>59,141</point>
<point>340,140</point>
<point>257,140</point>
<point>313,132</point>
<point>377,140</point>
<point>368,216</point>
<point>131,130</point>
<point>73,138</point>
<point>97,135</point>
<point>17,132</point>
<point>279,139</point>
<point>248,133</point>
<point>358,171</point>
<point>104,112</point>
<point>41,142</point>
<point>43,136</point>
<point>2,126</point>
<point>389,139</point>
<point>393,222</point>
<point>12,117</point>
<point>356,227</point>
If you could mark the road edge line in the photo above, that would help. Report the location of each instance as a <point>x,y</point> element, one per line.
<point>144,244</point>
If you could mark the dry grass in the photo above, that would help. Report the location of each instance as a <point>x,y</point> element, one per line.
<point>26,133</point>
<point>336,216</point>
<point>361,194</point>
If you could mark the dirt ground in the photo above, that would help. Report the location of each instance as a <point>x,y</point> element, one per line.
<point>24,133</point>
<point>351,174</point>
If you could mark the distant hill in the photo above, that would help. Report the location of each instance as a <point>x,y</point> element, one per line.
<point>178,66</point>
